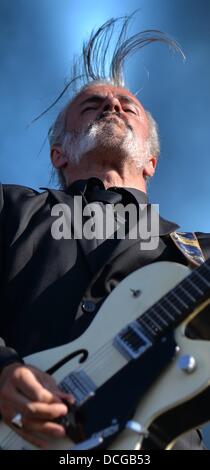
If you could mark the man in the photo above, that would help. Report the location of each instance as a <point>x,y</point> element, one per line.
<point>105,146</point>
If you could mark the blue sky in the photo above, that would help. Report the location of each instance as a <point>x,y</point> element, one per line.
<point>38,41</point>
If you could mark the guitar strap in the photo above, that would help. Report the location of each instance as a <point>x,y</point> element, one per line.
<point>189,245</point>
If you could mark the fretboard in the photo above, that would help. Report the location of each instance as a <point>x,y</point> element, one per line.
<point>178,303</point>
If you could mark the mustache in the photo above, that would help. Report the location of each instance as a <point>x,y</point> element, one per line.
<point>102,117</point>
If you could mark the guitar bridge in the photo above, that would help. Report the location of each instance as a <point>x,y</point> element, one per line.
<point>79,385</point>
<point>131,341</point>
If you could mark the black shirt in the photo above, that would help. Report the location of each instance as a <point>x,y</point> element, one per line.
<point>44,282</point>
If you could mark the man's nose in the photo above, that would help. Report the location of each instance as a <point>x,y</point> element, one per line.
<point>112,104</point>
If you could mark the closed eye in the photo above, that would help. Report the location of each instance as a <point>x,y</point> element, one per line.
<point>87,109</point>
<point>129,110</point>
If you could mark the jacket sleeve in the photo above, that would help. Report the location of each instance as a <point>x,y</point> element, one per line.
<point>204,240</point>
<point>7,355</point>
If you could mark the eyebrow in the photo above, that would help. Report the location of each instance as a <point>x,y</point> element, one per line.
<point>99,98</point>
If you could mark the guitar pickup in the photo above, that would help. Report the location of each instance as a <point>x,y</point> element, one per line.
<point>131,341</point>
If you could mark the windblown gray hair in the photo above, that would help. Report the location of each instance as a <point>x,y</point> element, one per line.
<point>94,65</point>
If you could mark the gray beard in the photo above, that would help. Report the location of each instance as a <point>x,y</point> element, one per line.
<point>100,135</point>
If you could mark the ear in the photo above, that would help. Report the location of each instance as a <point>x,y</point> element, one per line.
<point>149,168</point>
<point>58,158</point>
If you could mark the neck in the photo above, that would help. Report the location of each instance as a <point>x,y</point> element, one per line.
<point>126,176</point>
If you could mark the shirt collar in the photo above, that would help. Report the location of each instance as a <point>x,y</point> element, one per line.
<point>81,186</point>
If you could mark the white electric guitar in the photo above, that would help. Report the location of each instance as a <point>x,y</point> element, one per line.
<point>138,380</point>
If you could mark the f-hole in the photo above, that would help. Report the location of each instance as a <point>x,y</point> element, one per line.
<point>84,355</point>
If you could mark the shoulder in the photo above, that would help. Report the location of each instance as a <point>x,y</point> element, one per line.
<point>20,203</point>
<point>204,240</point>
<point>203,235</point>
<point>12,195</point>
<point>19,206</point>
<point>14,190</point>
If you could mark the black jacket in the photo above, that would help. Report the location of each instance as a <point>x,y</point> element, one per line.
<point>45,282</point>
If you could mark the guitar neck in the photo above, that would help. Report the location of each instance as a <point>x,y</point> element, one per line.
<point>177,304</point>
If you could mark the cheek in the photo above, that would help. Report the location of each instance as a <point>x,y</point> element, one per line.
<point>81,122</point>
<point>86,119</point>
<point>141,130</point>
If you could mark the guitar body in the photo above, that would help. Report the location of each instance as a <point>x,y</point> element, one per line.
<point>173,402</point>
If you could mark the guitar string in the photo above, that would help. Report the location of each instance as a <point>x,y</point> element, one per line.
<point>149,315</point>
<point>11,437</point>
<point>191,289</point>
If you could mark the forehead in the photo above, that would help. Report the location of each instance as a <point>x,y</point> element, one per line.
<point>103,90</point>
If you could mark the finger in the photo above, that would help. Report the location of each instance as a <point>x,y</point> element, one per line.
<point>42,411</point>
<point>37,441</point>
<point>33,425</point>
<point>68,397</point>
<point>45,379</point>
<point>28,384</point>
<point>31,410</point>
<point>46,428</point>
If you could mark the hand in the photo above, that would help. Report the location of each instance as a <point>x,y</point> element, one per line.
<point>34,394</point>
